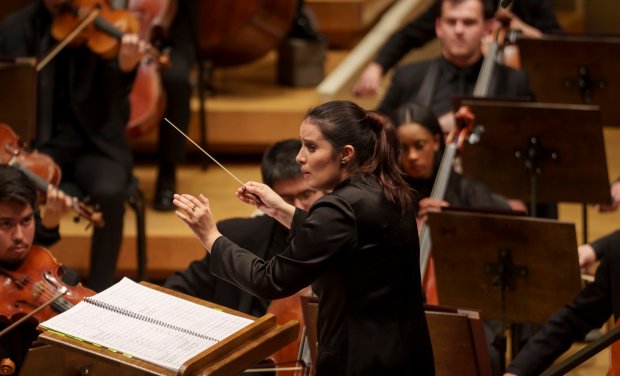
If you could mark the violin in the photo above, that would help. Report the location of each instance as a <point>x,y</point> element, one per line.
<point>37,279</point>
<point>98,26</point>
<point>41,169</point>
<point>34,288</point>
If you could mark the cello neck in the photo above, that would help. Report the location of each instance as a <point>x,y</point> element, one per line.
<point>438,192</point>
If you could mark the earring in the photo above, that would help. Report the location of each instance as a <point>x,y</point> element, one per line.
<point>343,162</point>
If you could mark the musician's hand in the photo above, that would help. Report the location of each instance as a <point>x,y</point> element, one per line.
<point>369,82</point>
<point>266,200</point>
<point>196,213</point>
<point>516,23</point>
<point>430,204</point>
<point>509,374</point>
<point>56,205</point>
<point>615,199</point>
<point>587,256</point>
<point>130,53</point>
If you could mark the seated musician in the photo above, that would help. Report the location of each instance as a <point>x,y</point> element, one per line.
<point>20,228</point>
<point>590,309</point>
<point>423,145</point>
<point>261,233</point>
<point>531,18</point>
<point>433,83</point>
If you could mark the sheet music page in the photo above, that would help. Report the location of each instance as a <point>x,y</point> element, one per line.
<point>183,335</point>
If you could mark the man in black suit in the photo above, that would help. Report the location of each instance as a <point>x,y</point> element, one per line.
<point>433,83</point>
<point>261,233</point>
<point>532,18</point>
<point>83,108</point>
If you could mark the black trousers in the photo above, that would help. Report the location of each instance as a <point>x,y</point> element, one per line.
<point>103,179</point>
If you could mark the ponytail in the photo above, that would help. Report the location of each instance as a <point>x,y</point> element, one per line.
<point>372,135</point>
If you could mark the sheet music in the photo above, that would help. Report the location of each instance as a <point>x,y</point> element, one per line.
<point>141,337</point>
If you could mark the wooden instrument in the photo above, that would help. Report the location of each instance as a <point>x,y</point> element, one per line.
<point>239,31</point>
<point>41,169</point>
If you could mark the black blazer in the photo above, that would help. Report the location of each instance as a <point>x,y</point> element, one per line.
<point>98,91</point>
<point>592,306</point>
<point>407,81</point>
<point>362,258</point>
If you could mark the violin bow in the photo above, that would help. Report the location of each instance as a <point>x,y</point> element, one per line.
<point>63,43</point>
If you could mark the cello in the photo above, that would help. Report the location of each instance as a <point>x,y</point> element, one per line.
<point>147,98</point>
<point>236,32</point>
<point>288,361</point>
<point>454,142</point>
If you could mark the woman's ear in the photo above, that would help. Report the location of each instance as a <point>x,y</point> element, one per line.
<point>347,154</point>
<point>436,142</point>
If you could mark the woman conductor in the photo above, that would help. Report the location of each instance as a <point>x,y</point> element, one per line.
<point>357,246</point>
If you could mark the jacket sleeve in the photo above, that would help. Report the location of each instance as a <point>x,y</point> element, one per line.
<point>413,35</point>
<point>589,310</point>
<point>607,244</point>
<point>316,243</point>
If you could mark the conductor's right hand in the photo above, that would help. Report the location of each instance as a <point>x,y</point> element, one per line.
<point>266,200</point>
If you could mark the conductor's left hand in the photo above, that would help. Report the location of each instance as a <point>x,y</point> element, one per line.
<point>196,213</point>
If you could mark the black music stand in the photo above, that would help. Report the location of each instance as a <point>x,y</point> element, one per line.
<point>512,269</point>
<point>19,107</point>
<point>578,69</point>
<point>539,151</point>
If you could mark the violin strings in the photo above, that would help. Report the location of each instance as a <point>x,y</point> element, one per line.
<point>204,151</point>
<point>47,293</point>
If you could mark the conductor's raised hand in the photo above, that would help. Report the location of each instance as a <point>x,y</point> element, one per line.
<point>196,213</point>
<point>266,200</point>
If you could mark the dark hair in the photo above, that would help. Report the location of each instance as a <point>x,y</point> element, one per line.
<point>279,163</point>
<point>16,186</point>
<point>374,139</point>
<point>487,7</point>
<point>414,113</point>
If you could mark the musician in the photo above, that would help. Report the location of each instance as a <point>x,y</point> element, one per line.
<point>589,253</point>
<point>83,109</point>
<point>355,245</point>
<point>20,227</point>
<point>433,83</point>
<point>590,309</point>
<point>261,234</point>
<point>176,84</point>
<point>422,147</point>
<point>531,17</point>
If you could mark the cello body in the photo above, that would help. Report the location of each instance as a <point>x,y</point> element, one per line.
<point>237,32</point>
<point>147,98</point>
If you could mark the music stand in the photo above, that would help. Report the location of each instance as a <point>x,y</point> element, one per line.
<point>585,73</point>
<point>512,269</point>
<point>539,151</point>
<point>18,109</point>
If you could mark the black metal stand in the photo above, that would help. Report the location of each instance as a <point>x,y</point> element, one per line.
<point>534,156</point>
<point>504,271</point>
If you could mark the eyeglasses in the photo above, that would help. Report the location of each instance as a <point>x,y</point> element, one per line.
<point>301,197</point>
